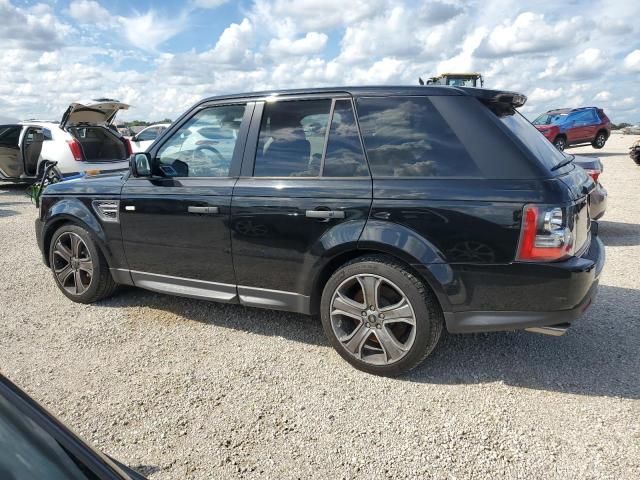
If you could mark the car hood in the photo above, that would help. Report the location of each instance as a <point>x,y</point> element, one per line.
<point>95,112</point>
<point>103,184</point>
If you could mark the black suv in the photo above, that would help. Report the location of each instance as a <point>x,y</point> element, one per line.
<point>391,212</point>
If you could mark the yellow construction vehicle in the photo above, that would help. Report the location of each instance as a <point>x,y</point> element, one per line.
<point>456,80</point>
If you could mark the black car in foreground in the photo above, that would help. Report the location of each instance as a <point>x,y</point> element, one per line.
<point>392,212</point>
<point>35,445</point>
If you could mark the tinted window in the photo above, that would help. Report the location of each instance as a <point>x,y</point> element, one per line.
<point>9,135</point>
<point>343,157</point>
<point>203,146</point>
<point>407,137</point>
<point>27,451</point>
<point>291,140</point>
<point>148,134</point>
<point>541,148</point>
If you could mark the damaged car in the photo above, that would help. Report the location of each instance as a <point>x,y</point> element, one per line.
<point>83,141</point>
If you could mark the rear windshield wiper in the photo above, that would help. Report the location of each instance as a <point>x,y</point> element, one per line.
<point>563,163</point>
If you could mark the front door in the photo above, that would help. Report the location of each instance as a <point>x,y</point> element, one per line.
<point>305,190</point>
<point>175,224</point>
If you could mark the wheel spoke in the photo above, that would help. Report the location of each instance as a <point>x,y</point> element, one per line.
<point>62,251</point>
<point>76,242</point>
<point>354,342</point>
<point>400,312</point>
<point>369,287</point>
<point>348,307</point>
<point>63,274</point>
<point>86,266</point>
<point>392,348</point>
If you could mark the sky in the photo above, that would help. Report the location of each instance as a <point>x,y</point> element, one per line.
<point>163,56</point>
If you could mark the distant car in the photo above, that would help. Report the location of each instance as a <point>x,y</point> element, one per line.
<point>578,126</point>
<point>34,444</point>
<point>631,130</point>
<point>83,140</point>
<point>598,196</point>
<point>142,140</point>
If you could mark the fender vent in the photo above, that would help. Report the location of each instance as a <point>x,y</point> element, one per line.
<point>107,210</point>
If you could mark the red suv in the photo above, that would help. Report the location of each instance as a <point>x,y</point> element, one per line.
<point>578,126</point>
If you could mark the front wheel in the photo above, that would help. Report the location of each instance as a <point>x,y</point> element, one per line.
<point>599,141</point>
<point>79,268</point>
<point>379,316</point>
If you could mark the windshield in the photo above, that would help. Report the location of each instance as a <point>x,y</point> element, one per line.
<point>539,146</point>
<point>549,118</point>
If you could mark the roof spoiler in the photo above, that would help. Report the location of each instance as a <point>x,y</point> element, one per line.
<point>504,98</point>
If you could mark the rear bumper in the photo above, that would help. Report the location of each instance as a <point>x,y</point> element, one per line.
<point>568,287</point>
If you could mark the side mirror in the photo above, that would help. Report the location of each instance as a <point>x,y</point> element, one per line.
<point>134,138</point>
<point>140,164</point>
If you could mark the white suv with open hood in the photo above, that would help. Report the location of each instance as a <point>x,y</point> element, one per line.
<point>83,141</point>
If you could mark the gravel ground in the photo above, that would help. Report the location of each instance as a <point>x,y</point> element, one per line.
<point>180,388</point>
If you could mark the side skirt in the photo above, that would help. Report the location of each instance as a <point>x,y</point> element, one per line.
<point>218,292</point>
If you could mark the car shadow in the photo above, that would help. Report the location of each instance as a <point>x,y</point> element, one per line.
<point>7,213</point>
<point>617,234</point>
<point>598,356</point>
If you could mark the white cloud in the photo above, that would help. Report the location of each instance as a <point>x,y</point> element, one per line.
<point>530,33</point>
<point>37,29</point>
<point>541,95</point>
<point>147,31</point>
<point>208,3</point>
<point>632,61</point>
<point>312,42</point>
<point>234,43</point>
<point>602,96</point>
<point>90,11</point>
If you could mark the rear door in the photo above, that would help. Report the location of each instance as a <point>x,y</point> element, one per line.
<point>175,224</point>
<point>305,190</point>
<point>583,126</point>
<point>11,164</point>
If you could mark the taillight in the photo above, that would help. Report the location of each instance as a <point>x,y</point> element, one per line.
<point>545,235</point>
<point>127,144</point>
<point>593,174</point>
<point>76,150</point>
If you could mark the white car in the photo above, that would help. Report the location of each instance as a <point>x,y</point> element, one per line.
<point>143,139</point>
<point>82,141</point>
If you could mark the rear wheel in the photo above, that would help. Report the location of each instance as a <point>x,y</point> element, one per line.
<point>560,142</point>
<point>379,316</point>
<point>599,141</point>
<point>78,267</point>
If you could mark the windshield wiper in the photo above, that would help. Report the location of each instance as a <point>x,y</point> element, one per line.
<point>563,163</point>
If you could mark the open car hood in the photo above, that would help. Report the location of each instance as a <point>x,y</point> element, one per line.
<point>95,112</point>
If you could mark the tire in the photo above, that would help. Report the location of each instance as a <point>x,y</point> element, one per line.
<point>367,332</point>
<point>560,142</point>
<point>76,260</point>
<point>599,141</point>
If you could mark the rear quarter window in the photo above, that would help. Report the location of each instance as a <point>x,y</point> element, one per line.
<point>407,137</point>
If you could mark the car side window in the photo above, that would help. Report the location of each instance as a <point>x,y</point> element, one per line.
<point>148,134</point>
<point>291,140</point>
<point>10,135</point>
<point>407,137</point>
<point>203,146</point>
<point>344,156</point>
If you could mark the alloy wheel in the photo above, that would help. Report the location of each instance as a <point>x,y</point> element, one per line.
<point>600,140</point>
<point>72,263</point>
<point>560,144</point>
<point>373,319</point>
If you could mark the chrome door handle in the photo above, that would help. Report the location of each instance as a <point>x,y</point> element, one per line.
<point>324,214</point>
<point>193,209</point>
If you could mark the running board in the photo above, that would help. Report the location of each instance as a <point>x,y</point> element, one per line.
<point>553,330</point>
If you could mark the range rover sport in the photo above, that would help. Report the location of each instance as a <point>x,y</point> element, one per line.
<point>390,212</point>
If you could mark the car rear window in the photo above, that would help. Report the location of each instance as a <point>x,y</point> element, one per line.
<point>407,137</point>
<point>529,135</point>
